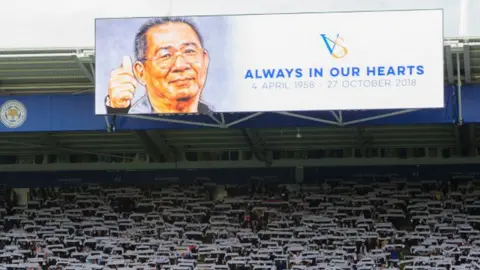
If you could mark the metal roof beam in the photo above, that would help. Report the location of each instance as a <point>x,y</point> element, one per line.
<point>472,142</point>
<point>48,141</point>
<point>156,146</point>
<point>458,138</point>
<point>449,65</point>
<point>50,86</point>
<point>52,145</point>
<point>169,152</point>
<point>360,140</point>
<point>148,145</point>
<point>256,143</point>
<point>466,140</point>
<point>363,140</point>
<point>467,73</point>
<point>88,73</point>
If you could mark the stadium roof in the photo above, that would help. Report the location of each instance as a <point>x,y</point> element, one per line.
<point>224,140</point>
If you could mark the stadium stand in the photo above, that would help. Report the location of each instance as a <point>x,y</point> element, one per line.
<point>389,224</point>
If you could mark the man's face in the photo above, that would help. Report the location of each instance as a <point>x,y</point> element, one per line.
<point>176,65</point>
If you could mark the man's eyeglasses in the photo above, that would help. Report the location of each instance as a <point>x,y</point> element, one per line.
<point>166,58</point>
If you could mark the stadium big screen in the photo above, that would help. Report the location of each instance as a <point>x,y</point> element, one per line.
<point>260,63</point>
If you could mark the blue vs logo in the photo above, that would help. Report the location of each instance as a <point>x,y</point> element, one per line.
<point>336,46</point>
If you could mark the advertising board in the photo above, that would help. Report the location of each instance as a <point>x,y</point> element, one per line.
<point>262,63</point>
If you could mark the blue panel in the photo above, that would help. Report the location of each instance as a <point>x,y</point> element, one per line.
<point>76,113</point>
<point>56,113</point>
<point>471,104</point>
<point>38,113</point>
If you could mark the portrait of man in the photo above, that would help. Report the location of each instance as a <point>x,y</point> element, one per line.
<point>170,62</point>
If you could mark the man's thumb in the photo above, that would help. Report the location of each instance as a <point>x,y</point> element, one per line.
<point>127,64</point>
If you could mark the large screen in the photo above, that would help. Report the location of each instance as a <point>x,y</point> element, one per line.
<point>262,63</point>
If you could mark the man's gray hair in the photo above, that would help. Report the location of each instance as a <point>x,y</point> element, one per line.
<point>141,45</point>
